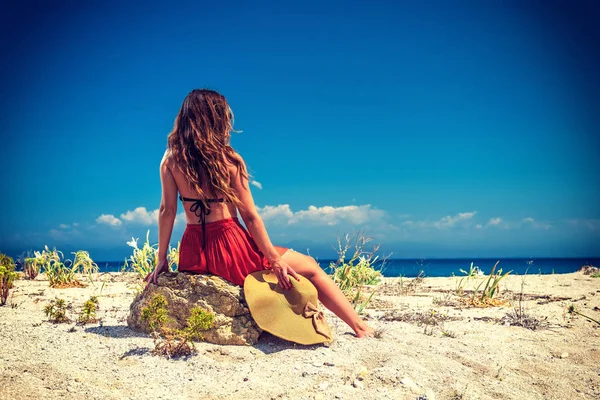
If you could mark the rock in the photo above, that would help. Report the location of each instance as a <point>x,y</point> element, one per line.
<point>233,322</point>
<point>409,383</point>
<point>564,355</point>
<point>323,385</point>
<point>589,270</point>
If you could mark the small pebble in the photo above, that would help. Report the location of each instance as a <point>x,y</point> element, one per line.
<point>323,385</point>
<point>564,355</point>
<point>358,384</point>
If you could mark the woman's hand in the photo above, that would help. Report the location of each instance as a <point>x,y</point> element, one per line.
<point>282,269</point>
<point>163,266</point>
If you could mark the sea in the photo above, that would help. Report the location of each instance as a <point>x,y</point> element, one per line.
<point>444,267</point>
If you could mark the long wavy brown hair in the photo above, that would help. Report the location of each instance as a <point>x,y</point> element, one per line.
<point>199,144</point>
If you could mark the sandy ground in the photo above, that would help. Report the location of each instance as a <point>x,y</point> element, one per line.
<point>472,355</point>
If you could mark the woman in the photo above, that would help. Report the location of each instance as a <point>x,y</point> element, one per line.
<point>212,181</point>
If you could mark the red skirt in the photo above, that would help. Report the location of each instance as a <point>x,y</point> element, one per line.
<point>229,251</point>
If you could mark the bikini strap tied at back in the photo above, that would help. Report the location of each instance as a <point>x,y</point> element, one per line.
<point>201,211</point>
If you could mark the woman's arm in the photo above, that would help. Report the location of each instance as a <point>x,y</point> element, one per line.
<point>250,215</point>
<point>168,209</point>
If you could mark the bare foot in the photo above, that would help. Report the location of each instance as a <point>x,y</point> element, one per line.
<point>364,331</point>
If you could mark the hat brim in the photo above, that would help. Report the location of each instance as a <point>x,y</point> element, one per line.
<point>273,315</point>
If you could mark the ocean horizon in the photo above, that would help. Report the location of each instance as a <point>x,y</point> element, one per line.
<point>445,267</point>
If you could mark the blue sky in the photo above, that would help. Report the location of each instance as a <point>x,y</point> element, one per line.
<point>446,129</point>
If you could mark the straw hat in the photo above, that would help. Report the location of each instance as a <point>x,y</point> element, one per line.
<point>289,314</point>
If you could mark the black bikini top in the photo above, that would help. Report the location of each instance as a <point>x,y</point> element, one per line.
<point>201,212</point>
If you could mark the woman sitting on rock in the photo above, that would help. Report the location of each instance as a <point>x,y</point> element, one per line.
<point>212,182</point>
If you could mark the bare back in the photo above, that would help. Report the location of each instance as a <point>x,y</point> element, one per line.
<point>218,211</point>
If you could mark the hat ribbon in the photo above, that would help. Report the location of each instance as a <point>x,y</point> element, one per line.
<point>318,319</point>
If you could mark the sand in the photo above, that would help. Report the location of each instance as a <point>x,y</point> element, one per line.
<point>474,355</point>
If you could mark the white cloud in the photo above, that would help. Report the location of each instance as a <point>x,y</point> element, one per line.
<point>64,226</point>
<point>494,221</point>
<point>326,215</point>
<point>75,224</point>
<point>275,212</point>
<point>257,184</point>
<point>109,219</point>
<point>334,215</point>
<point>449,221</point>
<point>141,216</point>
<point>535,224</point>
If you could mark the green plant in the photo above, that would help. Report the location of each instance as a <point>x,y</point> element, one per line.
<point>485,297</point>
<point>173,257</point>
<point>30,268</point>
<point>56,311</point>
<point>595,275</point>
<point>572,310</point>
<point>7,277</point>
<point>59,274</point>
<point>175,342</point>
<point>473,272</point>
<point>155,314</point>
<point>83,264</point>
<point>88,312</point>
<point>362,269</point>
<point>143,261</point>
<point>198,321</point>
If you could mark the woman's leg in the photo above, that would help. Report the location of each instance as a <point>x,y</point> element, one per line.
<point>329,293</point>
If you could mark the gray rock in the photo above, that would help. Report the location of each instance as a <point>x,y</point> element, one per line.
<point>233,322</point>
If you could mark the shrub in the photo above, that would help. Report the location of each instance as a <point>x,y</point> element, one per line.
<point>174,342</point>
<point>155,314</point>
<point>83,264</point>
<point>88,312</point>
<point>144,260</point>
<point>7,277</point>
<point>360,270</point>
<point>491,288</point>
<point>56,311</point>
<point>61,273</point>
<point>474,271</point>
<point>30,268</point>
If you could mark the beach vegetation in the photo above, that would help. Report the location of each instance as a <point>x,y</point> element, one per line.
<point>173,343</point>
<point>596,275</point>
<point>88,311</point>
<point>82,263</point>
<point>473,272</point>
<point>520,316</point>
<point>56,311</point>
<point>414,284</point>
<point>62,273</point>
<point>574,311</point>
<point>155,314</point>
<point>7,277</point>
<point>173,257</point>
<point>145,259</point>
<point>379,333</point>
<point>363,268</point>
<point>30,268</point>
<point>486,296</point>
